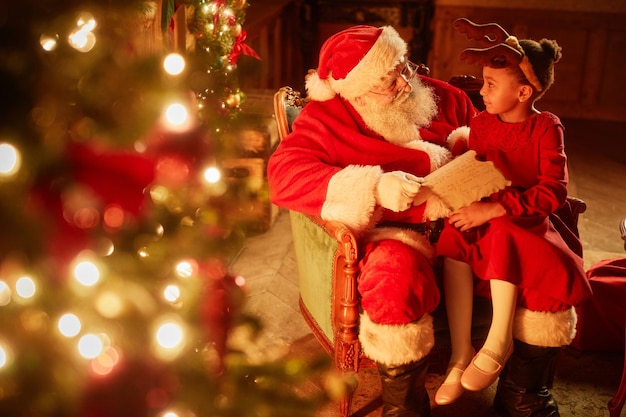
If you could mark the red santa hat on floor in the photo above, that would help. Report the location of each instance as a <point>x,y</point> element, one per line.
<point>353,61</point>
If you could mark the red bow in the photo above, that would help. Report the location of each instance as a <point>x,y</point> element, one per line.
<point>240,47</point>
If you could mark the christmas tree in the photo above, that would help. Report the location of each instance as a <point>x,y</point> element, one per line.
<point>116,215</point>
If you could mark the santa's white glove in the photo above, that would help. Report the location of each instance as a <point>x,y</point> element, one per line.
<point>395,190</point>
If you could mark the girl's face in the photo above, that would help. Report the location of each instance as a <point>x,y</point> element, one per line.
<point>501,92</point>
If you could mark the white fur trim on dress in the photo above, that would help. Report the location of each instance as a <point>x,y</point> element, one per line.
<point>409,237</point>
<point>460,133</point>
<point>358,211</point>
<point>396,344</point>
<point>542,328</point>
<point>382,57</point>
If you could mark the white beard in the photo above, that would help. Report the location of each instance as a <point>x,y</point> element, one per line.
<point>399,121</point>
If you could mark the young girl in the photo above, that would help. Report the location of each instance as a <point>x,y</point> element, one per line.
<point>507,240</point>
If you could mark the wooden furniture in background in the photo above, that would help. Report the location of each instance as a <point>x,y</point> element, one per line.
<point>411,18</point>
<point>274,30</point>
<point>589,79</point>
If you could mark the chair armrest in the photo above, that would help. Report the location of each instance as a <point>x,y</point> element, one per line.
<point>346,306</point>
<point>329,295</point>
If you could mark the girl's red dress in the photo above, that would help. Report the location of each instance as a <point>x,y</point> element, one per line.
<point>523,247</point>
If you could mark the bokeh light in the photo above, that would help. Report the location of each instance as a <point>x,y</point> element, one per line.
<point>25,287</point>
<point>104,363</point>
<point>186,269</point>
<point>90,346</point>
<point>87,273</point>
<point>174,64</point>
<point>171,293</point>
<point>69,325</point>
<point>176,115</point>
<point>82,39</point>
<point>169,335</point>
<point>6,355</point>
<point>10,159</point>
<point>5,293</point>
<point>212,175</point>
<point>49,42</point>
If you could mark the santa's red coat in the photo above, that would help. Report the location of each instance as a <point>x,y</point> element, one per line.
<point>330,165</point>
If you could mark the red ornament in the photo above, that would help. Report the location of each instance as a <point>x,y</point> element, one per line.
<point>222,302</point>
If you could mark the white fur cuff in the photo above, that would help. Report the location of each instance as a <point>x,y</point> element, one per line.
<point>396,344</point>
<point>357,211</point>
<point>546,329</point>
<point>460,134</point>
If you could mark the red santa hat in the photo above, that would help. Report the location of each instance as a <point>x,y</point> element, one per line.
<point>354,60</point>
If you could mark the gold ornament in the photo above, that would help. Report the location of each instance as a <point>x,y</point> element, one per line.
<point>233,100</point>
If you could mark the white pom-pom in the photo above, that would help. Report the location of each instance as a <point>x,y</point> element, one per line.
<point>318,89</point>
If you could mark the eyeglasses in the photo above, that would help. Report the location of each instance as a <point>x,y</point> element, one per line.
<point>407,71</point>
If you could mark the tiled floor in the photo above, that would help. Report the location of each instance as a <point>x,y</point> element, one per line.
<point>585,381</point>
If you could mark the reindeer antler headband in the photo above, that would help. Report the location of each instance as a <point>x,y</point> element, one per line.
<point>503,50</point>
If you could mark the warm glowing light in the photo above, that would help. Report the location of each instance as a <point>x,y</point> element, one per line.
<point>87,273</point>
<point>25,287</point>
<point>212,175</point>
<point>69,325</point>
<point>169,335</point>
<point>240,281</point>
<point>113,216</point>
<point>48,43</point>
<point>90,346</point>
<point>5,293</point>
<point>82,39</point>
<point>169,414</point>
<point>109,304</point>
<point>104,363</point>
<point>5,355</point>
<point>185,269</point>
<point>86,21</point>
<point>174,64</point>
<point>171,293</point>
<point>176,114</point>
<point>10,159</point>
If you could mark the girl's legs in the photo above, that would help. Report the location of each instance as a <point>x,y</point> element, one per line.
<point>458,287</point>
<point>458,284</point>
<point>490,360</point>
<point>500,337</point>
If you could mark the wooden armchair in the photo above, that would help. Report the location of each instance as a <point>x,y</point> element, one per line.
<point>327,254</point>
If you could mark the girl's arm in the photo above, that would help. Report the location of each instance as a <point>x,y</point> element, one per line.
<point>550,191</point>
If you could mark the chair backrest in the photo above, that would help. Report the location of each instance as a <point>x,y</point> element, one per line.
<point>287,106</point>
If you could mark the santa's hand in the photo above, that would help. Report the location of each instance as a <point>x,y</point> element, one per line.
<point>395,190</point>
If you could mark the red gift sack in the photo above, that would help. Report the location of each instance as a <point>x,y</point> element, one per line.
<point>602,318</point>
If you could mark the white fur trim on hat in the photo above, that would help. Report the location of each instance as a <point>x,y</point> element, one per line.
<point>358,211</point>
<point>383,56</point>
<point>542,328</point>
<point>396,344</point>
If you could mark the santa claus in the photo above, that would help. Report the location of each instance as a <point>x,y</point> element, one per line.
<point>357,154</point>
